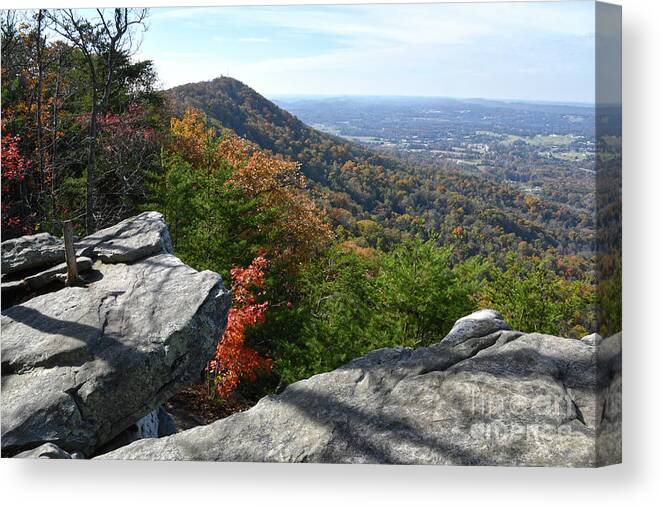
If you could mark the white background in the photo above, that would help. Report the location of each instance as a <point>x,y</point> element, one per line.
<point>24,482</point>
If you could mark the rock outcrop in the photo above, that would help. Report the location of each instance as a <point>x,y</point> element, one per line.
<point>129,240</point>
<point>29,252</point>
<point>157,423</point>
<point>31,264</point>
<point>56,273</point>
<point>85,370</point>
<point>485,395</point>
<point>83,364</point>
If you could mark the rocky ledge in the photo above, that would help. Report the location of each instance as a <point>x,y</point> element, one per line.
<point>485,395</point>
<point>85,368</point>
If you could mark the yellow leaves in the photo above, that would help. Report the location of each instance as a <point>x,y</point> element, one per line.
<point>532,203</point>
<point>190,137</point>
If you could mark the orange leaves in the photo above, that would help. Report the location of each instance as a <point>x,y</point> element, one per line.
<point>298,227</point>
<point>244,281</point>
<point>202,147</point>
<point>279,185</point>
<point>233,361</point>
<point>458,231</point>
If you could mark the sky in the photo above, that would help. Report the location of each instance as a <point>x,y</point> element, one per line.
<point>516,51</point>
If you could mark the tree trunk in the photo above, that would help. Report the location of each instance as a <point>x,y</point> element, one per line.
<point>91,163</point>
<point>53,176</point>
<point>40,143</point>
<point>70,254</point>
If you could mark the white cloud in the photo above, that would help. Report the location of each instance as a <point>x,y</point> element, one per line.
<point>509,49</point>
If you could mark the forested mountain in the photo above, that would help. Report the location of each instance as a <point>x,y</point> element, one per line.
<point>385,197</point>
<point>331,249</point>
<point>298,236</point>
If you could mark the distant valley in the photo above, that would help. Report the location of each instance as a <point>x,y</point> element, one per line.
<point>546,149</point>
<point>380,160</point>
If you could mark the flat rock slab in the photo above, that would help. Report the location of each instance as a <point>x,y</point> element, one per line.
<point>29,252</point>
<point>487,396</point>
<point>129,240</point>
<point>82,364</point>
<point>50,275</point>
<point>16,285</point>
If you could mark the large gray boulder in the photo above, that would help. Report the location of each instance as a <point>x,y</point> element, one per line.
<point>30,261</point>
<point>129,240</point>
<point>83,364</point>
<point>483,396</point>
<point>29,252</point>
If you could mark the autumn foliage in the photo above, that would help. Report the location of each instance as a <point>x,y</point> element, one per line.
<point>275,183</point>
<point>233,361</point>
<point>230,203</point>
<point>14,171</point>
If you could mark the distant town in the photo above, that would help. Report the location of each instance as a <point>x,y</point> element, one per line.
<point>535,146</point>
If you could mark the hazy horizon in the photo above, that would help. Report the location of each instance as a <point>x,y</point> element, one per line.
<point>331,96</point>
<point>523,52</point>
<point>441,97</point>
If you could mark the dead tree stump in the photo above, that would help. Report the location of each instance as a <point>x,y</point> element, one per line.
<point>70,254</point>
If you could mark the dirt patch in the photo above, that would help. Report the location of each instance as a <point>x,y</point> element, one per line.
<point>192,407</point>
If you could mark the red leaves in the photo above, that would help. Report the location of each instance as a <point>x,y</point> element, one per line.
<point>233,361</point>
<point>14,171</point>
<point>129,124</point>
<point>14,166</point>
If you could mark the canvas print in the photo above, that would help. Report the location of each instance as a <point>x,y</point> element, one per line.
<point>385,234</point>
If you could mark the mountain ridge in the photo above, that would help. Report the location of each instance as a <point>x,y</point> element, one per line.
<point>356,183</point>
